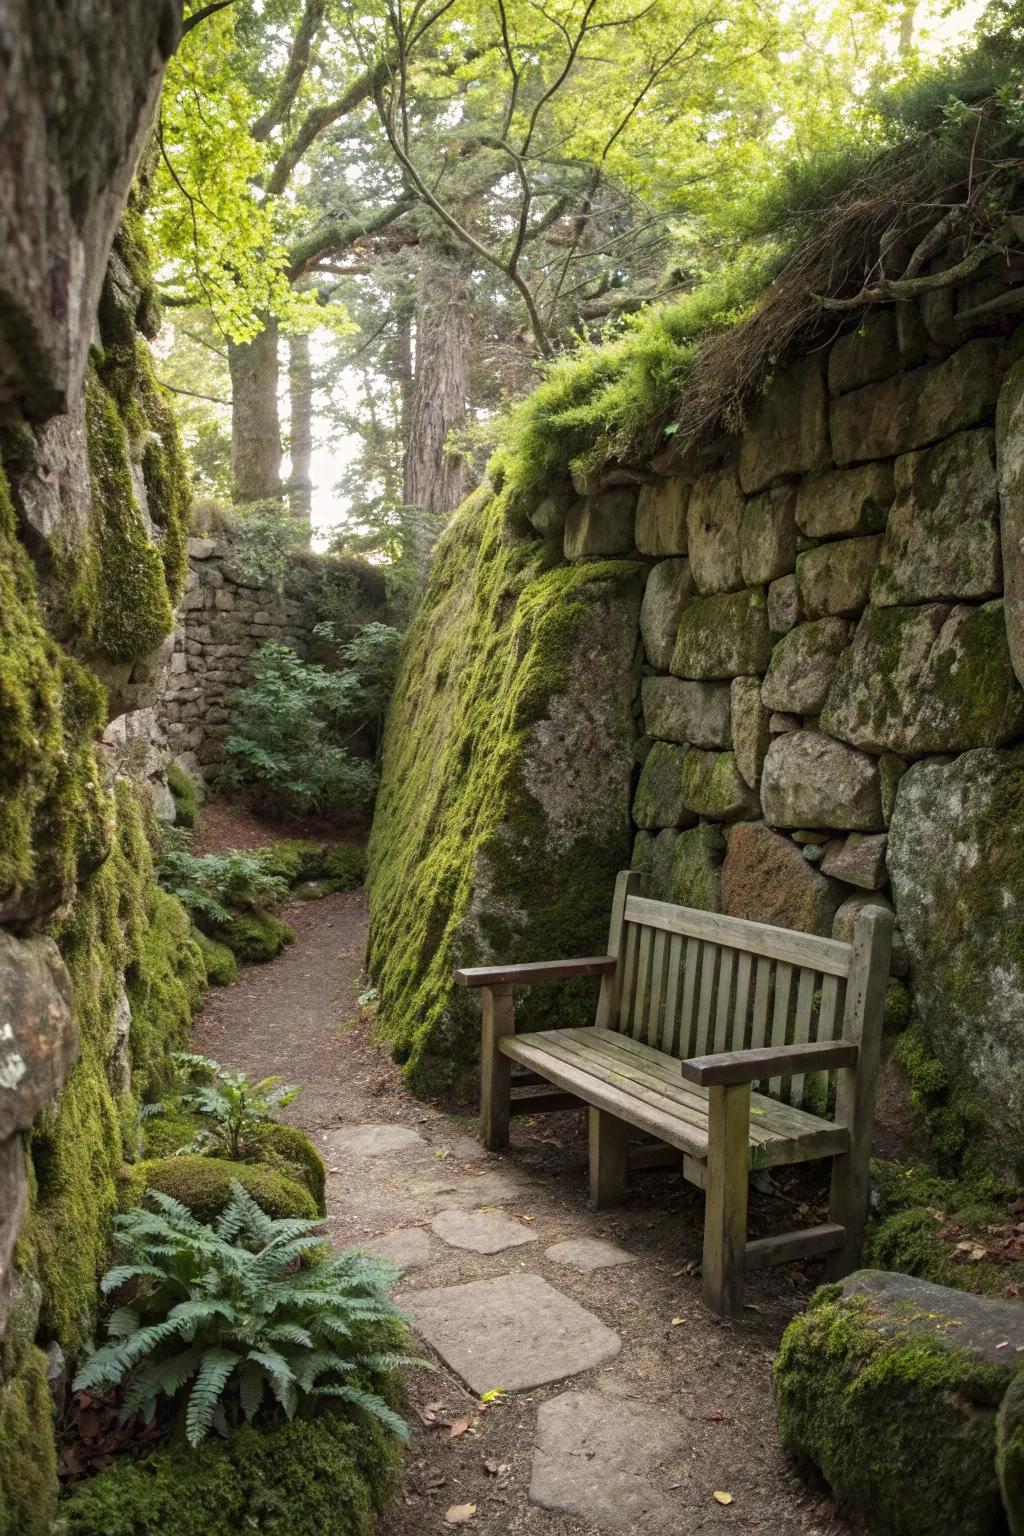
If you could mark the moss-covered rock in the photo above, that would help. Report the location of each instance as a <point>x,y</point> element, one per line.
<point>338,866</point>
<point>184,794</point>
<point>28,1459</point>
<point>289,1150</point>
<point>254,936</point>
<point>503,811</point>
<point>723,636</point>
<point>204,1185</point>
<point>956,861</point>
<point>326,1476</point>
<point>221,964</point>
<point>659,800</point>
<point>1010,1453</point>
<point>891,1386</point>
<point>696,876</point>
<point>712,786</point>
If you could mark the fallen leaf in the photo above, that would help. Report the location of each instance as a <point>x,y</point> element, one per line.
<point>460,1514</point>
<point>721,1498</point>
<point>714,1417</point>
<point>1003,1344</point>
<point>458,1427</point>
<point>492,1466</point>
<point>441,1152</point>
<point>493,1395</point>
<point>527,1218</point>
<point>677,1320</point>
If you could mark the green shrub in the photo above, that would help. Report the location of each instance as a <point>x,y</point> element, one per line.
<point>291,1152</point>
<point>326,1476</point>
<point>213,886</point>
<point>254,936</point>
<point>184,794</point>
<point>248,1317</point>
<point>292,723</point>
<point>203,1185</point>
<point>345,866</point>
<point>220,962</point>
<point>265,536</point>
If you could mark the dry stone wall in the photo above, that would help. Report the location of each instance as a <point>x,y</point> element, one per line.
<point>831,709</point>
<point>225,614</point>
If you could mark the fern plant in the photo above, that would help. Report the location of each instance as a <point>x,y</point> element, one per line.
<point>210,887</point>
<point>232,1319</point>
<point>232,1109</point>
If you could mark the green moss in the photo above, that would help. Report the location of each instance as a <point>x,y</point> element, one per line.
<point>1010,1453</point>
<point>290,1151</point>
<point>712,786</point>
<point>495,642</point>
<point>220,962</point>
<point>184,794</point>
<point>254,936</point>
<point>326,1476</point>
<point>952,1116</point>
<point>340,866</point>
<point>898,1007</point>
<point>696,879</point>
<point>28,1459</point>
<point>204,1185</point>
<point>902,1428</point>
<point>164,1134</point>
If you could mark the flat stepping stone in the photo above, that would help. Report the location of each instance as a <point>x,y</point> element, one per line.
<point>480,1231</point>
<point>469,1191</point>
<point>372,1140</point>
<point>465,1148</point>
<point>405,1248</point>
<point>588,1253</point>
<point>512,1332</point>
<point>609,1460</point>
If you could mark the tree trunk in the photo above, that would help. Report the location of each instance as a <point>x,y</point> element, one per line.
<point>435,480</point>
<point>300,391</point>
<point>255,426</point>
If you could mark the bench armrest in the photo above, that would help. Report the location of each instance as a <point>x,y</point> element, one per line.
<point>767,1061</point>
<point>541,970</point>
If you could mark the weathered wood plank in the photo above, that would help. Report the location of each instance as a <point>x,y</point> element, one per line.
<point>535,971</point>
<point>674,968</point>
<point>608,1159</point>
<point>723,1011</point>
<point>725,1203</point>
<point>780,1016</point>
<point>827,955</point>
<point>628,976</point>
<point>495,1068</point>
<point>762,993</point>
<point>738,1035</point>
<point>642,990</point>
<point>806,1244</point>
<point>802,1028</point>
<point>627,883</point>
<point>655,1002</point>
<point>709,954</point>
<point>749,1066</point>
<point>690,980</point>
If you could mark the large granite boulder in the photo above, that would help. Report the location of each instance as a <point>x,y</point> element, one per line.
<point>910,410</point>
<point>661,517</point>
<point>841,503</point>
<point>836,578</point>
<point>1010,465</point>
<point>926,679</point>
<point>811,780</point>
<point>956,863</point>
<point>659,800</point>
<point>892,1387</point>
<point>695,878</point>
<point>676,709</point>
<point>942,539</point>
<point>750,734</point>
<point>669,588</point>
<point>713,787</point>
<point>768,536</point>
<point>601,524</point>
<point>766,879</point>
<point>867,353</point>
<point>787,433</point>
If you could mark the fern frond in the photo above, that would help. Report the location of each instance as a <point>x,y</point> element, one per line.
<point>371,1403</point>
<point>216,1367</point>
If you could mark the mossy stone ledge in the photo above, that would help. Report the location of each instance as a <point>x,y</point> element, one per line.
<point>892,1387</point>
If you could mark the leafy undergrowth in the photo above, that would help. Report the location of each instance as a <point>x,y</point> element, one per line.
<point>969,1236</point>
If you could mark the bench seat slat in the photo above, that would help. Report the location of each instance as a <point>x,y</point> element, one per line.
<point>623,1076</point>
<point>802,949</point>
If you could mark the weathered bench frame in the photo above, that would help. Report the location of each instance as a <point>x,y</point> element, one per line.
<point>718,978</point>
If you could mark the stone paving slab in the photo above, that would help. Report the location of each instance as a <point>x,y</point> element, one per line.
<point>481,1231</point>
<point>405,1247</point>
<point>609,1460</point>
<point>513,1332</point>
<point>470,1191</point>
<point>588,1253</point>
<point>372,1140</point>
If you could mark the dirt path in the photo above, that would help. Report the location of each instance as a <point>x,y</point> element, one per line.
<point>642,1441</point>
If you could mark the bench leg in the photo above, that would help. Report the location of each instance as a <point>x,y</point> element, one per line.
<point>607,1159</point>
<point>495,1069</point>
<point>848,1205</point>
<point>725,1204</point>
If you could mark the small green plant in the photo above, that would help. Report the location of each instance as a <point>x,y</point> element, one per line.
<point>293,724</point>
<point>213,885</point>
<point>232,1109</point>
<point>221,1315</point>
<point>265,538</point>
<point>184,794</point>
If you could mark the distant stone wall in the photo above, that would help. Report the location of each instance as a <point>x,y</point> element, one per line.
<point>829,708</point>
<point>224,615</point>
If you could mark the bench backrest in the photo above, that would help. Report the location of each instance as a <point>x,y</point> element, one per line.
<point>691,983</point>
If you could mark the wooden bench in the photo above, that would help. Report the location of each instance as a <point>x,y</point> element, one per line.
<point>694,1010</point>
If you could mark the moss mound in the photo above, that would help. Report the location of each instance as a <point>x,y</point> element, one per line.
<point>902,1428</point>
<point>28,1461</point>
<point>220,962</point>
<point>326,1476</point>
<point>1010,1453</point>
<point>254,936</point>
<point>184,794</point>
<point>291,1152</point>
<point>164,1134</point>
<point>204,1185</point>
<point>340,866</point>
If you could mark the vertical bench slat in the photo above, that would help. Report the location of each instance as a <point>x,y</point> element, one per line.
<point>643,983</point>
<point>722,1013</point>
<point>628,978</point>
<point>672,990</point>
<point>802,1027</point>
<point>816,1086</point>
<point>689,994</point>
<point>762,988</point>
<point>780,1015</point>
<point>657,990</point>
<point>627,883</point>
<point>744,966</point>
<point>699,1043</point>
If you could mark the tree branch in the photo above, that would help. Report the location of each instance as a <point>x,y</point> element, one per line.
<point>201,15</point>
<point>291,80</point>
